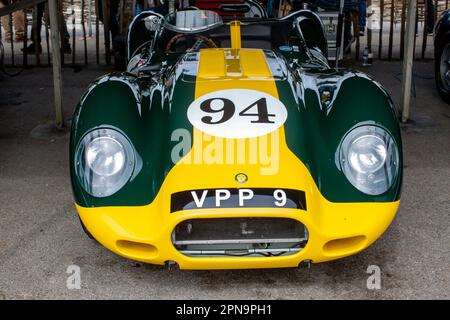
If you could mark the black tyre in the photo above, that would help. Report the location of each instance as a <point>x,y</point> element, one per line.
<point>442,68</point>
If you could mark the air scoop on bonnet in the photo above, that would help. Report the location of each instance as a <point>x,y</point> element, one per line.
<point>239,237</point>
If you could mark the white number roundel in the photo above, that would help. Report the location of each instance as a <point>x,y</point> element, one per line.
<point>237,113</point>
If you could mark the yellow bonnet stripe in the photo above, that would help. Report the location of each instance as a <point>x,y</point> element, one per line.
<point>221,69</point>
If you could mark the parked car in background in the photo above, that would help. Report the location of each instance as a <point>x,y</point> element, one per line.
<point>442,55</point>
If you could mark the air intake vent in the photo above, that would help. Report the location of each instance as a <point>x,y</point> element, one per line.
<point>240,237</point>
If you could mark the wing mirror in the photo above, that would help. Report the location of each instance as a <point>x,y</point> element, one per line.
<point>152,23</point>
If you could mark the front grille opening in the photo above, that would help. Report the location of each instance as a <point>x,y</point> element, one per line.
<point>237,237</point>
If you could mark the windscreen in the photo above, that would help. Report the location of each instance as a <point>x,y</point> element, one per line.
<point>190,21</point>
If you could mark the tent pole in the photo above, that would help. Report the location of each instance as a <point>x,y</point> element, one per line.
<point>56,60</point>
<point>408,59</point>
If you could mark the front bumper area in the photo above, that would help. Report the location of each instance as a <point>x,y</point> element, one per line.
<point>144,234</point>
<point>335,229</point>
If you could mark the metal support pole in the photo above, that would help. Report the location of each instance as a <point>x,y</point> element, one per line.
<point>10,22</point>
<point>340,27</point>
<point>36,36</point>
<point>61,24</point>
<point>380,36</point>
<point>106,29</point>
<point>402,28</point>
<point>84,33</point>
<point>122,4</point>
<point>391,30</point>
<point>280,9</point>
<point>408,59</point>
<point>425,33</point>
<point>72,12</point>
<point>97,32</point>
<point>47,34</point>
<point>90,18</point>
<point>369,29</point>
<point>56,60</point>
<point>25,38</point>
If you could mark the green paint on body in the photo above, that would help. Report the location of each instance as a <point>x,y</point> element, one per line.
<point>112,103</point>
<point>314,129</point>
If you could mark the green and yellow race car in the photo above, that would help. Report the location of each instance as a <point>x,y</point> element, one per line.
<point>233,144</point>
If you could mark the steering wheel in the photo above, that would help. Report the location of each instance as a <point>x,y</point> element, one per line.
<point>199,40</point>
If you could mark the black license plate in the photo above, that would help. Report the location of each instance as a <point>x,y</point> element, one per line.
<point>238,198</point>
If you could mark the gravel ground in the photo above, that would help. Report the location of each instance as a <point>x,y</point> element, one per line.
<point>40,235</point>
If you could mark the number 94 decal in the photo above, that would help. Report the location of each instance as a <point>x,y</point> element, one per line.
<point>237,113</point>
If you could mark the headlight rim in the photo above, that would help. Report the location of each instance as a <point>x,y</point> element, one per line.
<point>392,156</point>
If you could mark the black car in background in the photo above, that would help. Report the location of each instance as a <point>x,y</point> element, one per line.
<point>442,55</point>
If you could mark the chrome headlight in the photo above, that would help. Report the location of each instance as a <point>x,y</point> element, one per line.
<point>369,159</point>
<point>105,160</point>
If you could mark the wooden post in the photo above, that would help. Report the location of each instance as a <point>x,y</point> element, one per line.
<point>56,59</point>
<point>408,59</point>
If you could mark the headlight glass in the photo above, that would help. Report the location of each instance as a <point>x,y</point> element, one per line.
<point>105,156</point>
<point>105,161</point>
<point>369,159</point>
